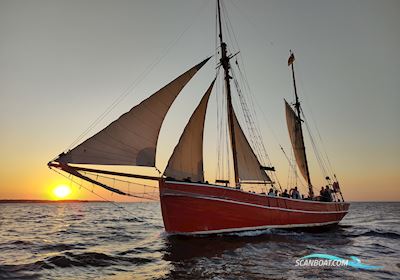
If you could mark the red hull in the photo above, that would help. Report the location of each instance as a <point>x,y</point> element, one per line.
<point>193,208</point>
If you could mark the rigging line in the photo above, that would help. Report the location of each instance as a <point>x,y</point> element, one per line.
<point>292,172</point>
<point>250,125</point>
<point>223,151</point>
<point>317,154</point>
<point>220,128</point>
<point>254,26</point>
<point>288,179</point>
<point>221,131</point>
<point>229,28</point>
<point>255,127</point>
<point>225,139</point>
<point>296,177</point>
<point>255,118</point>
<point>140,195</point>
<point>138,80</point>
<point>228,152</point>
<point>113,179</point>
<point>330,167</point>
<point>119,180</point>
<point>218,131</point>
<point>257,123</point>
<point>321,163</point>
<point>292,165</point>
<point>229,31</point>
<point>220,108</point>
<point>244,78</point>
<point>103,198</point>
<point>217,171</point>
<point>248,120</point>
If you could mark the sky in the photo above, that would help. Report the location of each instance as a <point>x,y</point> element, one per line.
<point>62,63</point>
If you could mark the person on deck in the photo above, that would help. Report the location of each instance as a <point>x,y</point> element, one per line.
<point>295,193</point>
<point>328,194</point>
<point>271,192</point>
<point>285,193</point>
<point>276,193</point>
<point>322,196</point>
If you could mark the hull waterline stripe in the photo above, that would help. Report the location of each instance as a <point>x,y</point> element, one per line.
<point>230,230</point>
<point>250,204</point>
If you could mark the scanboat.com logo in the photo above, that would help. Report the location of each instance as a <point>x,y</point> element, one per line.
<point>330,260</point>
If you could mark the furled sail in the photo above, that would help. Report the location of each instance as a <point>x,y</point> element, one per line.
<point>132,138</point>
<point>249,168</point>
<point>296,137</point>
<point>187,159</point>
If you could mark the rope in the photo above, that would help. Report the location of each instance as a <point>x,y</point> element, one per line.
<point>324,156</point>
<point>137,81</point>
<point>320,160</point>
<point>118,180</point>
<point>96,194</point>
<point>254,26</point>
<point>251,120</point>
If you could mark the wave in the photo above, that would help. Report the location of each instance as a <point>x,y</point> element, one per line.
<point>68,259</point>
<point>92,259</point>
<point>122,219</point>
<point>249,233</point>
<point>11,272</point>
<point>61,247</point>
<point>375,233</point>
<point>18,243</point>
<point>269,231</point>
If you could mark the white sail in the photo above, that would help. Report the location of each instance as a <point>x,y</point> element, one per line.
<point>249,168</point>
<point>296,137</point>
<point>132,138</point>
<point>187,159</point>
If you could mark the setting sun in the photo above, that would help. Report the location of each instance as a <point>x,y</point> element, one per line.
<point>62,191</point>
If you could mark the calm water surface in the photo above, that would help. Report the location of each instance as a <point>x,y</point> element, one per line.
<point>101,241</point>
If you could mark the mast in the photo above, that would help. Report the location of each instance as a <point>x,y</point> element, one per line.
<point>225,64</point>
<point>297,106</point>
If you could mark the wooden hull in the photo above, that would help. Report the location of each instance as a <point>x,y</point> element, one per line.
<point>195,208</point>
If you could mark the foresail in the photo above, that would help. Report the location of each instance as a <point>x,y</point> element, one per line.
<point>132,138</point>
<point>249,168</point>
<point>187,159</point>
<point>296,138</point>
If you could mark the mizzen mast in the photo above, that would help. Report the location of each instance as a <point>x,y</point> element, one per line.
<point>225,64</point>
<point>299,120</point>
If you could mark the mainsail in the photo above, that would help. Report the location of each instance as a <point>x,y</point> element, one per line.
<point>249,168</point>
<point>296,137</point>
<point>187,159</point>
<point>132,138</point>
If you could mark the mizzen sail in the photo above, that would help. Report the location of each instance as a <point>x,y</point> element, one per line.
<point>132,138</point>
<point>249,168</point>
<point>187,159</point>
<point>296,137</point>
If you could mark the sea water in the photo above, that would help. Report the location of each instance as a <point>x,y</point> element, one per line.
<point>102,241</point>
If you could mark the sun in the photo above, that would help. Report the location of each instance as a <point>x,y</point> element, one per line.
<point>62,191</point>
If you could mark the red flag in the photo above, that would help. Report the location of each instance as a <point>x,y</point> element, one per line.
<point>290,60</point>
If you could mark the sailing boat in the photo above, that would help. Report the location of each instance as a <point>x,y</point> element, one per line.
<point>189,204</point>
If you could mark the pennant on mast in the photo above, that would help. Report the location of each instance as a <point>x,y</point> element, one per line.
<point>132,138</point>
<point>186,162</point>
